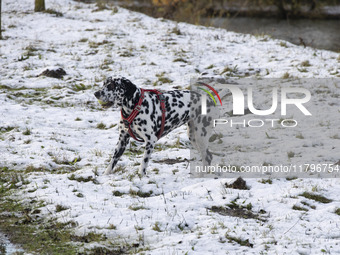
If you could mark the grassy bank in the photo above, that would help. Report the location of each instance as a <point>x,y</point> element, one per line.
<point>38,232</point>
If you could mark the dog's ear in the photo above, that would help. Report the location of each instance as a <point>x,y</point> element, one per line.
<point>130,88</point>
<point>108,81</point>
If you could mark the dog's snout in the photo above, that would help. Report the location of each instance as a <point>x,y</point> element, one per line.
<point>97,94</point>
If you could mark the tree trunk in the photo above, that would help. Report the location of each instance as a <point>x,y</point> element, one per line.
<point>0,21</point>
<point>39,5</point>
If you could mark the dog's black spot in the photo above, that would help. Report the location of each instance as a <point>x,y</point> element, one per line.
<point>204,132</point>
<point>130,88</point>
<point>205,122</point>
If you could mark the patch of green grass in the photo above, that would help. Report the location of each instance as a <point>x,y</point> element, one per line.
<point>234,205</point>
<point>299,208</point>
<point>305,63</point>
<point>100,6</point>
<point>138,228</point>
<point>264,181</point>
<point>53,12</point>
<point>27,131</point>
<point>307,204</point>
<point>28,67</point>
<point>126,54</point>
<point>112,126</point>
<point>316,197</point>
<point>33,236</point>
<point>303,70</point>
<point>31,50</point>
<point>4,130</point>
<point>156,227</point>
<point>112,227</point>
<point>136,207</point>
<point>238,210</point>
<point>73,177</point>
<point>117,193</point>
<point>283,44</point>
<point>62,160</point>
<point>291,178</point>
<point>81,87</point>
<point>9,180</point>
<point>80,195</point>
<point>140,193</point>
<point>286,75</point>
<point>4,87</point>
<point>290,154</point>
<point>300,136</point>
<point>239,240</point>
<point>89,238</point>
<point>60,208</point>
<point>174,171</point>
<point>162,80</point>
<point>116,250</point>
<point>93,44</point>
<point>31,168</point>
<point>106,63</point>
<point>119,169</point>
<point>101,125</point>
<point>2,249</point>
<point>230,71</point>
<point>337,211</point>
<point>180,60</point>
<point>176,31</point>
<point>83,40</point>
<point>155,170</point>
<point>18,219</point>
<point>336,136</point>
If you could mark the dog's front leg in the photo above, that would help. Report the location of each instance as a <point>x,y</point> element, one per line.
<point>120,148</point>
<point>148,150</point>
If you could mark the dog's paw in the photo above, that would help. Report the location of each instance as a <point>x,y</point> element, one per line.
<point>142,172</point>
<point>109,170</point>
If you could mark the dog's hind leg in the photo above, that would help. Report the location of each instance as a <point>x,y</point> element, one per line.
<point>199,137</point>
<point>149,146</point>
<point>191,134</point>
<point>121,146</point>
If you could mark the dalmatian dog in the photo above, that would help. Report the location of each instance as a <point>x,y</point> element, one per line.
<point>146,126</point>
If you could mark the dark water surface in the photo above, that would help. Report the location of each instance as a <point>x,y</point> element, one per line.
<point>322,34</point>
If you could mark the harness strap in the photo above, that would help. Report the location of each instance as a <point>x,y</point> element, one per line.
<point>128,120</point>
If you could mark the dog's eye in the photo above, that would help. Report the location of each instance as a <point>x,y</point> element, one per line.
<point>110,86</point>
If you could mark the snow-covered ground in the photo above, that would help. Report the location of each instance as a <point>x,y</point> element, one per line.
<point>49,127</point>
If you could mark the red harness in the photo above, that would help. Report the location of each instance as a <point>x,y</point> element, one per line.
<point>134,113</point>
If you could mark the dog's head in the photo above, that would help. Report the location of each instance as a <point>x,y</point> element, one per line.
<point>115,92</point>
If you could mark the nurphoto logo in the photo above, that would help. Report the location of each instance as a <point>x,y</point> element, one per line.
<point>283,96</point>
